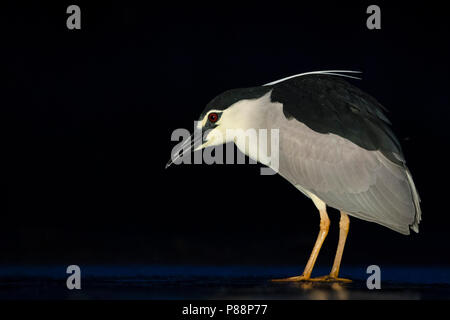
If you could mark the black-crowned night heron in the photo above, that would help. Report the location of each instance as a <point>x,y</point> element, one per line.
<point>335,146</point>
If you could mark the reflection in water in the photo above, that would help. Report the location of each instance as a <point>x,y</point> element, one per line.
<point>220,282</point>
<point>322,291</point>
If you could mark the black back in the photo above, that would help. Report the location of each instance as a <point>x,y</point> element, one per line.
<point>329,104</point>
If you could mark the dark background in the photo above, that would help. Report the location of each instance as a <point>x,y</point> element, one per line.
<point>88,115</point>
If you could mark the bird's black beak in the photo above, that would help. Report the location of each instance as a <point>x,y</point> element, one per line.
<point>185,147</point>
<point>191,143</point>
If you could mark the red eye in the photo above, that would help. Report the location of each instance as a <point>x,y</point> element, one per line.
<point>213,117</point>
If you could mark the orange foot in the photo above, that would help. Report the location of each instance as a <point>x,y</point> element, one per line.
<point>318,279</point>
<point>291,279</point>
<point>330,278</point>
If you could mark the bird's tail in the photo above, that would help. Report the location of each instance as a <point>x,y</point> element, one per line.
<point>418,217</point>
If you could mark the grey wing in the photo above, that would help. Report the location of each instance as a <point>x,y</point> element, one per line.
<point>363,183</point>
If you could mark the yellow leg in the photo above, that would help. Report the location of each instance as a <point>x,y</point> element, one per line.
<point>344,225</point>
<point>324,227</point>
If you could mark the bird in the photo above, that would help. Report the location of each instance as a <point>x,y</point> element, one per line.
<point>336,146</point>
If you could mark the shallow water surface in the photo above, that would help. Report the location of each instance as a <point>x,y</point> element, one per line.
<point>214,282</point>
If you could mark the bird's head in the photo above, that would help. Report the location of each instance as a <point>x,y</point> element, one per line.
<point>212,125</point>
<point>227,111</point>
